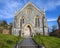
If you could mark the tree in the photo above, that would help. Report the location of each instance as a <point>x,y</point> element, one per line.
<point>54,28</point>
<point>11,24</point>
<point>3,24</point>
<point>0,22</point>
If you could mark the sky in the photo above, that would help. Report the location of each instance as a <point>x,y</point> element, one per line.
<point>9,7</point>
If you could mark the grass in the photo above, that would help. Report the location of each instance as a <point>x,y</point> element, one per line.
<point>48,41</point>
<point>8,41</point>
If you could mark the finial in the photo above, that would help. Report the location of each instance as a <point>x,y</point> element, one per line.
<point>15,11</point>
<point>44,9</point>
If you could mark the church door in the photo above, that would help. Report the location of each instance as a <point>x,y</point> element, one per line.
<point>27,31</point>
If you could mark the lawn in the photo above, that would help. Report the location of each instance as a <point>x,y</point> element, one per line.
<point>8,41</point>
<point>47,41</point>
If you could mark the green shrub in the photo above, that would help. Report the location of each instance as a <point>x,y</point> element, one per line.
<point>8,41</point>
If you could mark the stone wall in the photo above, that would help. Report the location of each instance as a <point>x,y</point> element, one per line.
<point>6,31</point>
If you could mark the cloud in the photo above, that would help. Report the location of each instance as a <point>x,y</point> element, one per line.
<point>52,19</point>
<point>48,4</point>
<point>9,9</point>
<point>52,4</point>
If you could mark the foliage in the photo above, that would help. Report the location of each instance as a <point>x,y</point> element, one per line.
<point>11,24</point>
<point>8,41</point>
<point>3,24</point>
<point>54,28</point>
<point>48,41</point>
<point>0,30</point>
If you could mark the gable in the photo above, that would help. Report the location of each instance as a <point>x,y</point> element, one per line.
<point>29,5</point>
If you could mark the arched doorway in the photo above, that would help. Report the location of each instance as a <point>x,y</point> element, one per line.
<point>27,31</point>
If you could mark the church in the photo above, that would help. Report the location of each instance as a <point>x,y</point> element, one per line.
<point>30,20</point>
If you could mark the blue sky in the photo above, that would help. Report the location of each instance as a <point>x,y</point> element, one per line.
<point>52,9</point>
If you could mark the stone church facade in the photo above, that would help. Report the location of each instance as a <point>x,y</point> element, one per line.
<point>29,20</point>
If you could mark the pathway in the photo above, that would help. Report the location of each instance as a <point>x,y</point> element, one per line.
<point>27,43</point>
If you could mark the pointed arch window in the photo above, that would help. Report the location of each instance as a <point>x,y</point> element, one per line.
<point>37,22</point>
<point>21,22</point>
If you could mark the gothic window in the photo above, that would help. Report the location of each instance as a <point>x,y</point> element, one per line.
<point>37,22</point>
<point>21,21</point>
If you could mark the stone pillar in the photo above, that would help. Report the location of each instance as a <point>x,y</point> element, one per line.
<point>43,25</point>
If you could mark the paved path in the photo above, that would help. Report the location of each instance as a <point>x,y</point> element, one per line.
<point>27,43</point>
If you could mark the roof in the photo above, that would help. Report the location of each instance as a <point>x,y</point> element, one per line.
<point>26,6</point>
